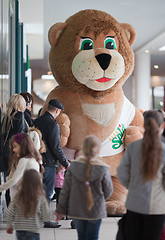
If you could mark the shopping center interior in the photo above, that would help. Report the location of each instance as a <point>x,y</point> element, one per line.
<point>24,51</point>
<point>25,48</point>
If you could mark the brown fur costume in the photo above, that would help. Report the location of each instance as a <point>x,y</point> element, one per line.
<point>91,57</point>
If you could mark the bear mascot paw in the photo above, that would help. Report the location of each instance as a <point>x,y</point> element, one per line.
<point>91,57</point>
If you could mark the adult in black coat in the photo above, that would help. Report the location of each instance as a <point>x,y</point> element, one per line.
<point>54,154</point>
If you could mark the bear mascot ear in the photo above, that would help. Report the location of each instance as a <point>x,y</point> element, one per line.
<point>130,32</point>
<point>55,32</point>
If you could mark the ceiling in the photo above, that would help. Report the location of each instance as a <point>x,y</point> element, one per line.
<point>146,16</point>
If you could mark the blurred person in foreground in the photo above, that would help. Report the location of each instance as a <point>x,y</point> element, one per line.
<point>142,172</point>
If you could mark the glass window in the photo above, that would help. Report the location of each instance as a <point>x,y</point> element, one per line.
<point>4,55</point>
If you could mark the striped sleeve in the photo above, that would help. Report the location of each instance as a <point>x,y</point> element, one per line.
<point>45,212</point>
<point>10,214</point>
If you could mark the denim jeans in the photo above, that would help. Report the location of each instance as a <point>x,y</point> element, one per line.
<point>48,180</point>
<point>25,235</point>
<point>87,229</point>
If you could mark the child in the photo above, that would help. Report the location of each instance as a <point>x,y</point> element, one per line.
<point>29,209</point>
<point>59,181</point>
<point>87,185</point>
<point>23,156</point>
<point>36,136</point>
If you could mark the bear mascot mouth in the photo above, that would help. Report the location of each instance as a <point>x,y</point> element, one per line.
<point>103,80</point>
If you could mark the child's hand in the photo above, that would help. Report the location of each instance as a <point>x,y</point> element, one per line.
<point>9,230</point>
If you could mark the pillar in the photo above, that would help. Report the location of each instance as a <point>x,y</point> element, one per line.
<point>142,75</point>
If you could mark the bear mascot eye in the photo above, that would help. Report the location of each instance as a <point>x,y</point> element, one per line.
<point>110,43</point>
<point>86,43</point>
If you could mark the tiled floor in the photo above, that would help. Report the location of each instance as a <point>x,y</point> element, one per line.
<point>107,232</point>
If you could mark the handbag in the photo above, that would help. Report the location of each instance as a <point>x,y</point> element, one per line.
<point>4,152</point>
<point>121,228</point>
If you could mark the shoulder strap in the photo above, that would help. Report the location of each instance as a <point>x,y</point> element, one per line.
<point>7,135</point>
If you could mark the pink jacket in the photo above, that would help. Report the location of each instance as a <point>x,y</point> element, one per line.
<point>59,179</point>
<point>163,234</point>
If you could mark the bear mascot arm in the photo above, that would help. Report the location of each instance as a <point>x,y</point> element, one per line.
<point>91,57</point>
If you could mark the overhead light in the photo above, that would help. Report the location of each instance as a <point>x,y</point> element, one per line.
<point>156,66</point>
<point>161,103</point>
<point>147,51</point>
<point>47,77</point>
<point>162,48</point>
<point>4,76</point>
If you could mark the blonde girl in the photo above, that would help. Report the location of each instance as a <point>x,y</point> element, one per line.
<point>13,123</point>
<point>16,104</point>
<point>28,211</point>
<point>23,156</point>
<point>87,185</point>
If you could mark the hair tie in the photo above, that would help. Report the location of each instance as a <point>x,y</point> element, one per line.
<point>18,137</point>
<point>87,183</point>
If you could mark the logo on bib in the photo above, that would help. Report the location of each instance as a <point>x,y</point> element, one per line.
<point>117,137</point>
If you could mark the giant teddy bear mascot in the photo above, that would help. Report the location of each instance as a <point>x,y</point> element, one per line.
<point>91,57</point>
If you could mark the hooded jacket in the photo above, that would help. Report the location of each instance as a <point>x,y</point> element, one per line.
<point>74,190</point>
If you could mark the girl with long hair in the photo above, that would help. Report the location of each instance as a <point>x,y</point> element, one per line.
<point>23,156</point>
<point>29,209</point>
<point>13,123</point>
<point>140,171</point>
<point>87,185</point>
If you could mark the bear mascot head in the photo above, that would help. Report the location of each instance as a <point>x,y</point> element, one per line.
<point>91,57</point>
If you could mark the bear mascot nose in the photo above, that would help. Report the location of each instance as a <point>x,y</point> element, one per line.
<point>104,60</point>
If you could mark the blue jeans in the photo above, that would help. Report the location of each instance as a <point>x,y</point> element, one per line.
<point>48,180</point>
<point>25,235</point>
<point>87,229</point>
